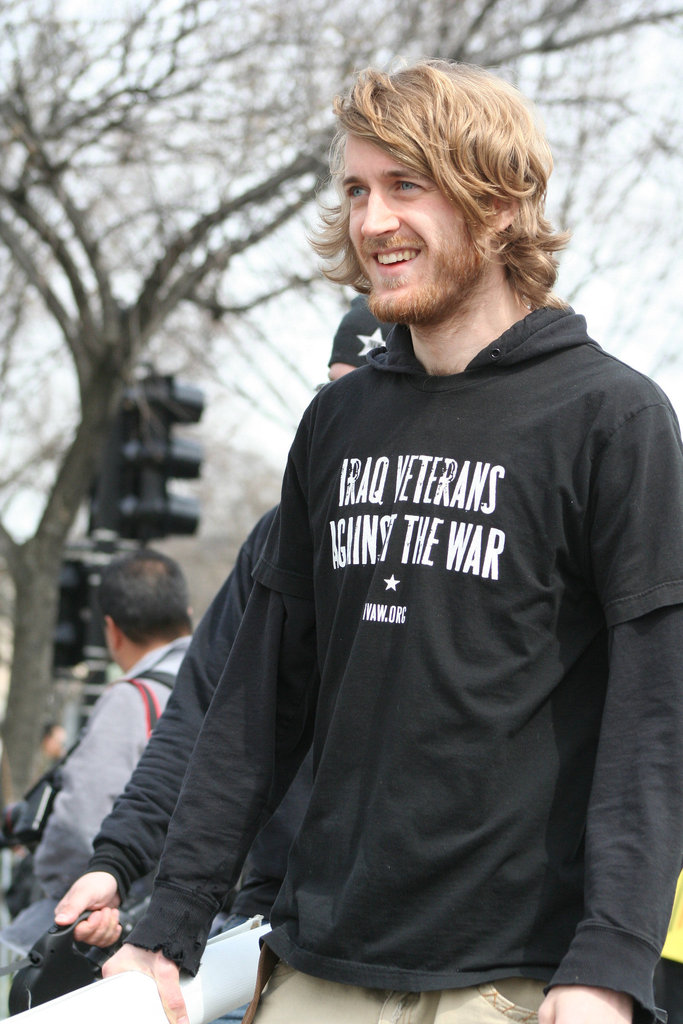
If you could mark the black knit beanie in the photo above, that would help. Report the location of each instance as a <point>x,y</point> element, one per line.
<point>357,334</point>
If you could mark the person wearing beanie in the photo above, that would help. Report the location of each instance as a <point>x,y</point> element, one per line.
<point>359,332</point>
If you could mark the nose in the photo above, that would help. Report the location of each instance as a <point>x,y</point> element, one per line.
<point>380,218</point>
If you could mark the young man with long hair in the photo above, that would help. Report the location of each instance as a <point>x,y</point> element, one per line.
<point>470,603</point>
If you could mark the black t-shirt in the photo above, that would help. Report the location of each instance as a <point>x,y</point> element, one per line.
<point>465,548</point>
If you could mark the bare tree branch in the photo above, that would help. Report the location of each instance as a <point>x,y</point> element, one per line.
<point>189,240</point>
<point>555,42</point>
<point>219,310</point>
<point>25,260</point>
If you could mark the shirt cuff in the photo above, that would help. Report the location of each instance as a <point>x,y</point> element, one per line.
<point>177,923</point>
<point>604,957</point>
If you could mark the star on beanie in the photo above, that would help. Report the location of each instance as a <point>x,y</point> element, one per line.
<point>358,333</point>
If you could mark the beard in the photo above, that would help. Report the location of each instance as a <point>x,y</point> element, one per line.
<point>457,270</point>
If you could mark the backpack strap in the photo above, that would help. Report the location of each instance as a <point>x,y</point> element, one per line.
<point>165,678</point>
<point>152,706</point>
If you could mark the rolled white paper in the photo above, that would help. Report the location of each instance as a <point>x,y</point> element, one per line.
<point>224,981</point>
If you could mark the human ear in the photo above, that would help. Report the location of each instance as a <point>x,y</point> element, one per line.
<point>504,211</point>
<point>112,633</point>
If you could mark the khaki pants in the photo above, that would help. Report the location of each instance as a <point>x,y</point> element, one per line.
<point>294,998</point>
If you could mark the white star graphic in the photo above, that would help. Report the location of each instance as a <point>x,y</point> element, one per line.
<point>370,341</point>
<point>392,582</point>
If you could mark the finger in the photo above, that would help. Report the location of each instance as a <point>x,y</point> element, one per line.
<point>90,892</point>
<point>168,982</point>
<point>102,928</point>
<point>68,909</point>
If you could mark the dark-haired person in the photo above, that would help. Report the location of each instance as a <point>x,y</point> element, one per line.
<point>144,601</point>
<point>471,601</point>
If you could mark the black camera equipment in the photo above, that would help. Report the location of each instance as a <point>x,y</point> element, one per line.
<point>57,963</point>
<point>23,822</point>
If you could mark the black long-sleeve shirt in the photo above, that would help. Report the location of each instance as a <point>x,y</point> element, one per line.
<point>132,836</point>
<point>471,596</point>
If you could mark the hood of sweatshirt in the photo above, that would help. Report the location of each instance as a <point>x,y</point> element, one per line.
<point>541,332</point>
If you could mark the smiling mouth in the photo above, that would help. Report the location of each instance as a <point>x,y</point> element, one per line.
<point>396,257</point>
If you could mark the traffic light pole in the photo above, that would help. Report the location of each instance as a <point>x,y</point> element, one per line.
<point>130,505</point>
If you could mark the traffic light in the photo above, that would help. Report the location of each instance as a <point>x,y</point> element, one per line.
<point>131,497</point>
<point>79,634</point>
<point>69,634</point>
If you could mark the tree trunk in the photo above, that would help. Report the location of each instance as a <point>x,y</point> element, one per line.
<point>31,679</point>
<point>34,567</point>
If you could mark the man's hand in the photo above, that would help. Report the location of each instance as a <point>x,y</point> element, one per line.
<point>95,891</point>
<point>165,973</point>
<point>578,1004</point>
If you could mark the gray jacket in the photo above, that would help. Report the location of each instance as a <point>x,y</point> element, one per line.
<point>98,769</point>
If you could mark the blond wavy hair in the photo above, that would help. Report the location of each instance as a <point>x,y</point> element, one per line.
<point>476,137</point>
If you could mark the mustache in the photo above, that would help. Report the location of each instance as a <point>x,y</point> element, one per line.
<point>369,247</point>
